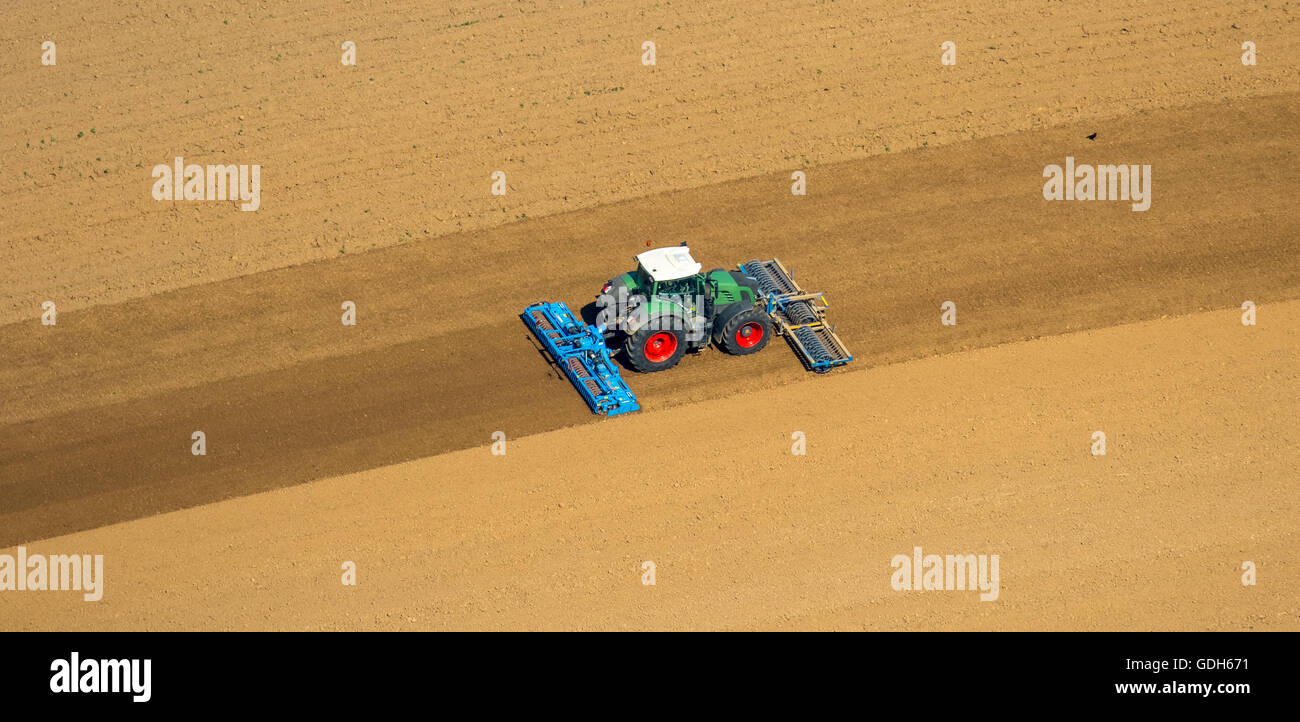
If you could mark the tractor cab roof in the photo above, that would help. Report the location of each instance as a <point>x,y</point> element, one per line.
<point>669,264</point>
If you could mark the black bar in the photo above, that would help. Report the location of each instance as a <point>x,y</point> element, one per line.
<point>991,672</point>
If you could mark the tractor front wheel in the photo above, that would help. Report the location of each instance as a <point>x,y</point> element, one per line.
<point>653,349</point>
<point>745,333</point>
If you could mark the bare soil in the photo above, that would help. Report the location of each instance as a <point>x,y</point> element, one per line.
<point>370,443</point>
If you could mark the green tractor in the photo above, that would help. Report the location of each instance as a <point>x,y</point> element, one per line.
<point>666,307</point>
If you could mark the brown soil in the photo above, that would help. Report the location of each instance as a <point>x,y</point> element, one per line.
<point>924,186</point>
<point>400,148</point>
<point>979,452</point>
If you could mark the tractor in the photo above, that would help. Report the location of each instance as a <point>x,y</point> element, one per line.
<point>666,307</point>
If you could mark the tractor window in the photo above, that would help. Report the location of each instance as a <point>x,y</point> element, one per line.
<point>680,287</point>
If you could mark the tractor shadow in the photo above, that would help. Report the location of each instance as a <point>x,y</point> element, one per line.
<point>552,369</point>
<point>589,313</point>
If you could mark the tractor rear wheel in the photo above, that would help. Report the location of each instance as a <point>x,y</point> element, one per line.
<point>745,333</point>
<point>654,349</point>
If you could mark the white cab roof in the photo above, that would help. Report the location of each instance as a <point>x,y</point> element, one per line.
<point>669,264</point>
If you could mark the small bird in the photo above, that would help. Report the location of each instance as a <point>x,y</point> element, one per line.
<point>1092,137</point>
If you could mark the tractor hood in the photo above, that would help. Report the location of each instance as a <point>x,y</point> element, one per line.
<point>626,282</point>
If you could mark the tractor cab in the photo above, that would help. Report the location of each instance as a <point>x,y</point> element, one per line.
<point>670,271</point>
<point>671,278</point>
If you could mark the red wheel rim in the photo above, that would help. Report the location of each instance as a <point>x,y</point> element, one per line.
<point>749,335</point>
<point>660,347</point>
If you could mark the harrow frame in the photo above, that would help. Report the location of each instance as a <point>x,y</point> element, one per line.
<point>798,315</point>
<point>579,351</point>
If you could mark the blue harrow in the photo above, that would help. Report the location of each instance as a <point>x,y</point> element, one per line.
<point>579,350</point>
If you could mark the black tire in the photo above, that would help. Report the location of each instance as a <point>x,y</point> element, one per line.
<point>746,332</point>
<point>648,350</point>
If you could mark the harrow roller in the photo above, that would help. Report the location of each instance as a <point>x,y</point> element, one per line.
<point>798,315</point>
